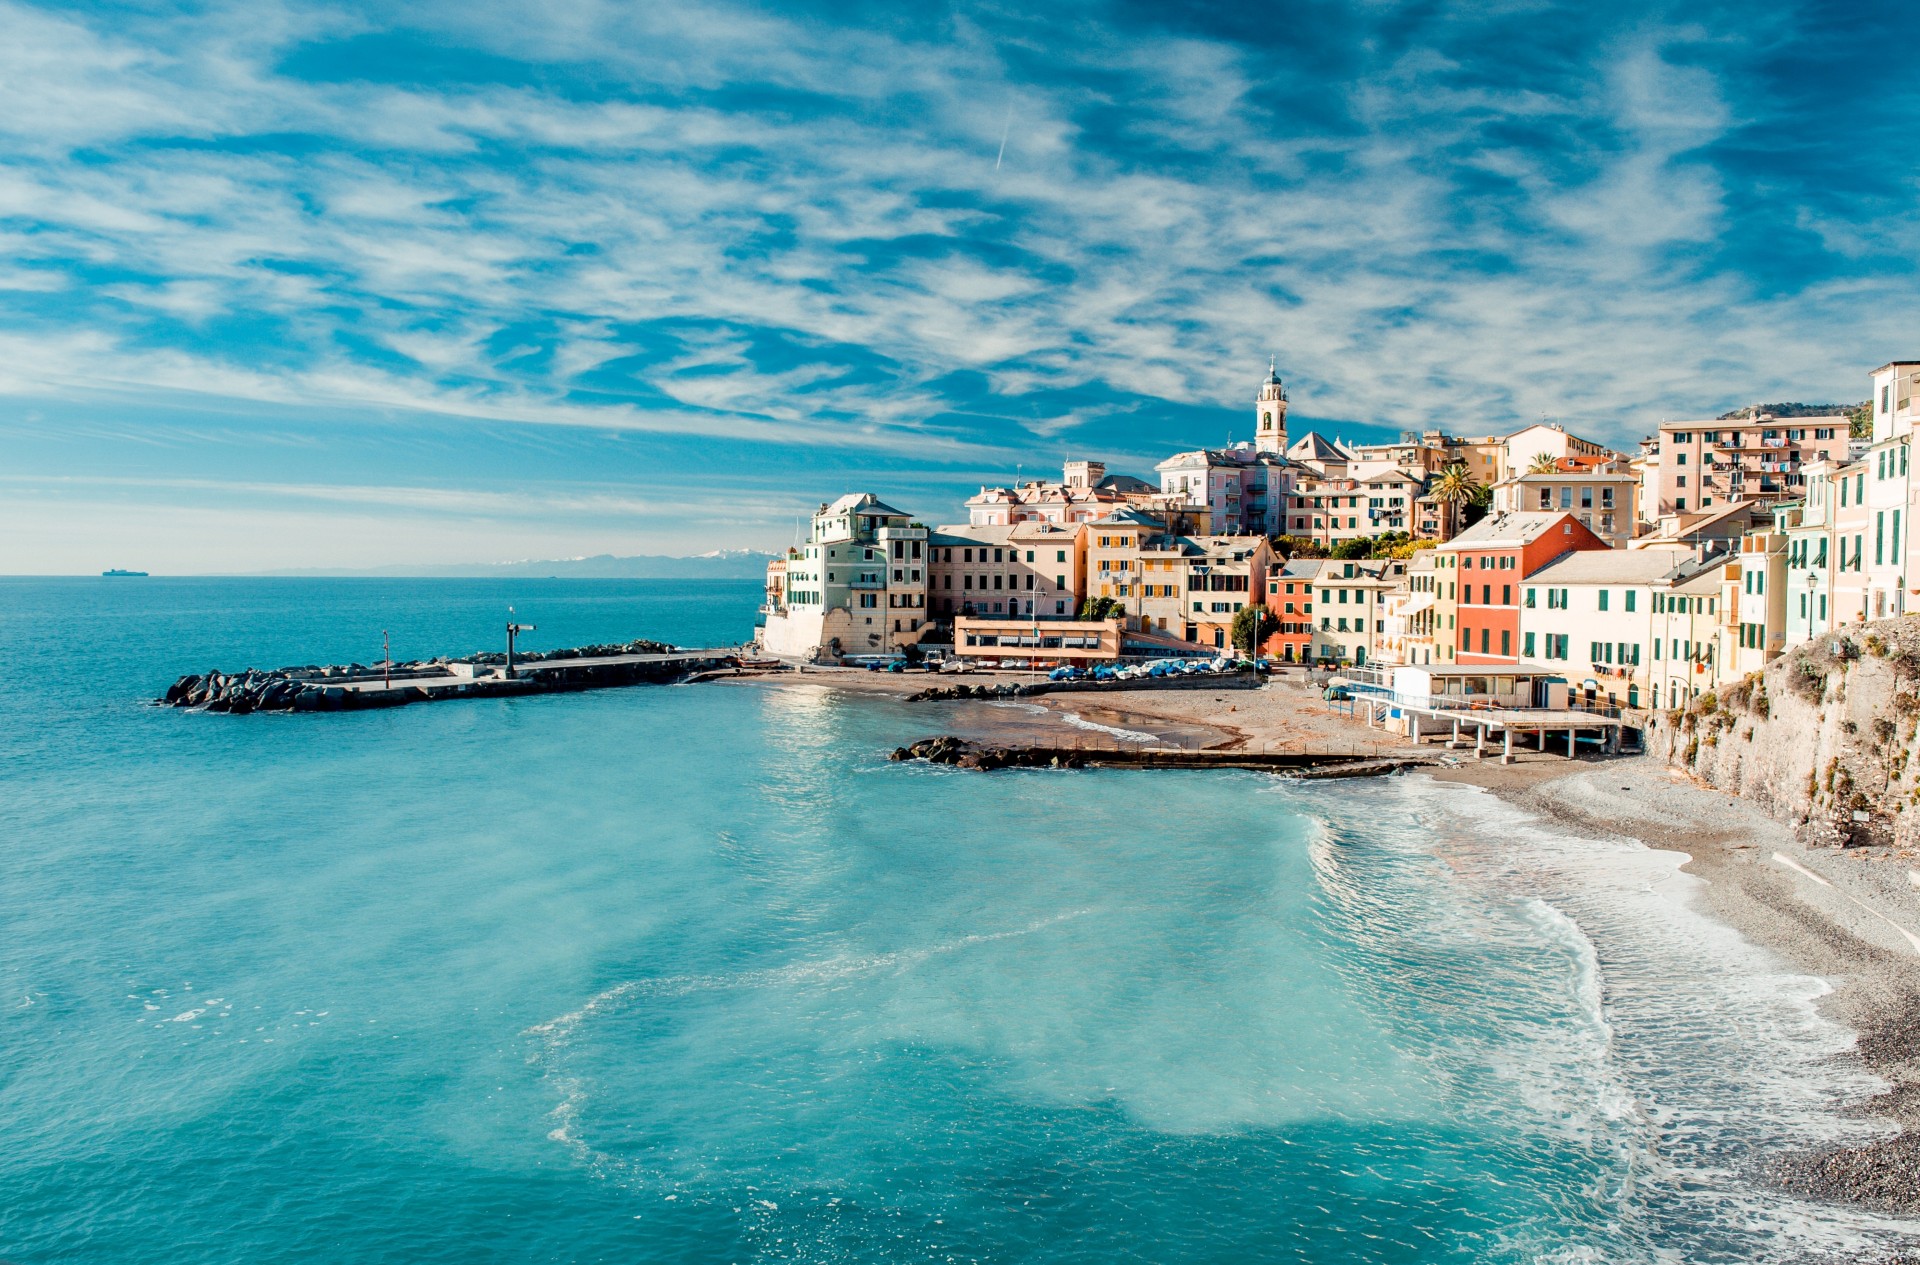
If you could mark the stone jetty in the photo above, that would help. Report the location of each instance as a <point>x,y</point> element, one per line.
<point>355,686</point>
<point>963,754</point>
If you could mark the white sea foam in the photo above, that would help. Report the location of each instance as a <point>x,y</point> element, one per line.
<point>1125,735</point>
<point>1685,1049</point>
<point>556,1035</point>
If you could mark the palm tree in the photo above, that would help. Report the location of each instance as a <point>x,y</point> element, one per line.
<point>1543,463</point>
<point>1456,488</point>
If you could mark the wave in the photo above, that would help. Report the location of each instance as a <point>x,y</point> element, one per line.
<point>554,1036</point>
<point>1627,1022</point>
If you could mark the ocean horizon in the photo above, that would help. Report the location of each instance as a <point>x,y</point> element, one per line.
<point>694,973</point>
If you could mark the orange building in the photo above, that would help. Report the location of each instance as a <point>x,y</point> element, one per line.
<point>1484,568</point>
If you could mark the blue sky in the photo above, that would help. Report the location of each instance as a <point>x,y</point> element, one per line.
<point>292,285</point>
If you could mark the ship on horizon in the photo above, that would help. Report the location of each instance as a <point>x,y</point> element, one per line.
<point>116,571</point>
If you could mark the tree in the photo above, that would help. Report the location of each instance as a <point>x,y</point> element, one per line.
<point>1457,489</point>
<point>1252,620</point>
<point>1357,547</point>
<point>1543,463</point>
<point>1298,547</point>
<point>1101,608</point>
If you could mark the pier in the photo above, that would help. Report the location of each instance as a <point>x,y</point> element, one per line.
<point>354,687</point>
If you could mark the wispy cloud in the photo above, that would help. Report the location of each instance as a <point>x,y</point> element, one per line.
<point>951,238</point>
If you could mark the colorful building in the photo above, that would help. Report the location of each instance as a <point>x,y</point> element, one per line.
<point>1489,563</point>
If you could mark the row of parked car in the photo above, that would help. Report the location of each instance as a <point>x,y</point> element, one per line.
<point>1158,668</point>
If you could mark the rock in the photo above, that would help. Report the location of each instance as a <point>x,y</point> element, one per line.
<point>900,753</point>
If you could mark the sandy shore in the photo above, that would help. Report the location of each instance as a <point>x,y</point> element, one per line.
<point>1851,917</point>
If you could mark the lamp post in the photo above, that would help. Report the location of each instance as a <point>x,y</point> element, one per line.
<point>512,629</point>
<point>1813,582</point>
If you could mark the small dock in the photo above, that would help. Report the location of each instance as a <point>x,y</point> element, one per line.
<point>1478,727</point>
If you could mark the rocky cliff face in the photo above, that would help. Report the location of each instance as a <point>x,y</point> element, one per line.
<point>1823,738</point>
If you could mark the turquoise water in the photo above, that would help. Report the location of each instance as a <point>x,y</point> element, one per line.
<point>694,974</point>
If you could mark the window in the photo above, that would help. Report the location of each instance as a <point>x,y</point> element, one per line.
<point>1529,606</point>
<point>1603,599</point>
<point>1506,642</point>
<point>1629,601</point>
<point>1506,595</point>
<point>1526,645</point>
<point>1483,641</point>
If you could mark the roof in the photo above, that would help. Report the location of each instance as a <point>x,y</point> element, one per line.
<point>1127,517</point>
<point>1377,471</point>
<point>967,534</point>
<point>1616,566</point>
<point>1125,483</point>
<point>1516,527</point>
<point>865,505</point>
<point>1561,476</point>
<point>1313,446</point>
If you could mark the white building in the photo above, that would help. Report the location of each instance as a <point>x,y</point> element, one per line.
<point>1593,614</point>
<point>857,587</point>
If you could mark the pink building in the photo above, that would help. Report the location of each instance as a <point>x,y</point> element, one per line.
<point>1703,465</point>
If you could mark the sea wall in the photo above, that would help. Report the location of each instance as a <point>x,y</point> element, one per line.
<point>1822,739</point>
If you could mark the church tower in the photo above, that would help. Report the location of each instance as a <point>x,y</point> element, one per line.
<point>1270,415</point>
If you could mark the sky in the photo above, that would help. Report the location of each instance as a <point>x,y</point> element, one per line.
<point>288,285</point>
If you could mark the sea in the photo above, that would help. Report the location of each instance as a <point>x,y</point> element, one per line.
<point>695,974</point>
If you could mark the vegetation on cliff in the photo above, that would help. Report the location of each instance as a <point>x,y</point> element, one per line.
<point>1823,738</point>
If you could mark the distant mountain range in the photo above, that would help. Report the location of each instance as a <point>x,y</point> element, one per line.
<point>724,564</point>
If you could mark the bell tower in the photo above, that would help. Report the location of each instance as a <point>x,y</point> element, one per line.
<point>1270,414</point>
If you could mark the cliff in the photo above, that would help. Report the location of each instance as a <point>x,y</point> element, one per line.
<point>1822,739</point>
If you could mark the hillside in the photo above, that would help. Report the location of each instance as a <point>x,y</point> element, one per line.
<point>1822,739</point>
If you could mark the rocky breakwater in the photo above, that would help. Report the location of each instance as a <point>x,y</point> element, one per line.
<point>354,686</point>
<point>1822,738</point>
<point>307,689</point>
<point>962,754</point>
<point>947,693</point>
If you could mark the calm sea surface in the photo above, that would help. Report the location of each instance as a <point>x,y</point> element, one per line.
<point>694,974</point>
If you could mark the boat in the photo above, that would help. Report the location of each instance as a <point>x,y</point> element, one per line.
<point>118,572</point>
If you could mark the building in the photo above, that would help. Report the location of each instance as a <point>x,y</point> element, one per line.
<point>1349,601</point>
<point>1022,641</point>
<point>1225,574</point>
<point>1519,449</point>
<point>1411,610</point>
<point>1708,463</point>
<point>1682,658</point>
<point>1084,493</point>
<point>1365,499</point>
<point>1189,588</point>
<point>1027,569</point>
<point>1757,612</point>
<point>1889,487</point>
<point>1242,489</point>
<point>1591,614</point>
<point>1290,604</point>
<point>1808,528</point>
<point>1717,530</point>
<point>1852,515</point>
<point>1489,563</point>
<point>857,587</point>
<point>1605,500</point>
